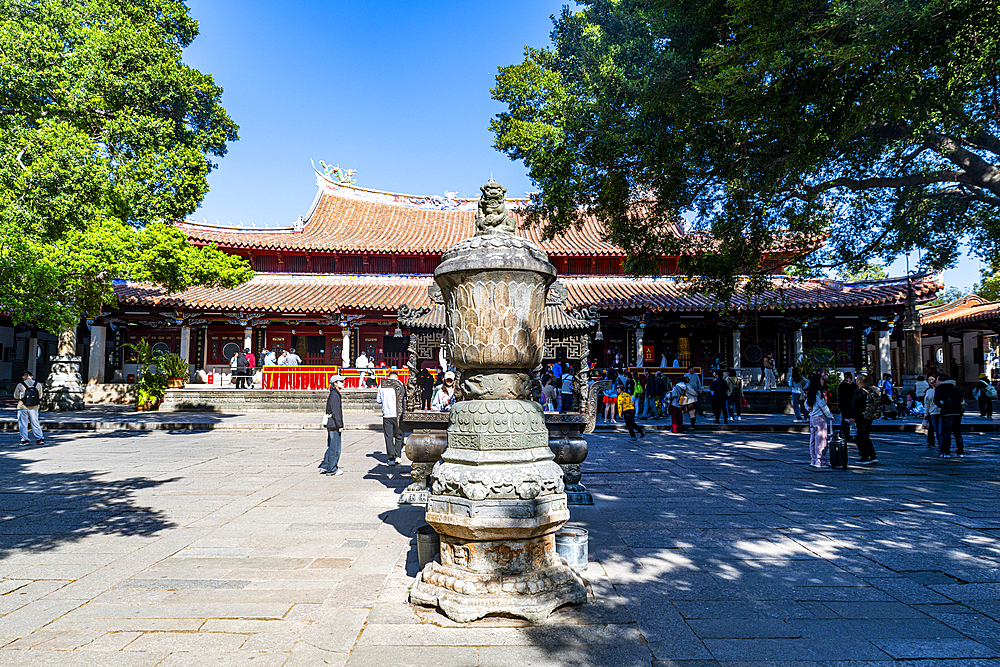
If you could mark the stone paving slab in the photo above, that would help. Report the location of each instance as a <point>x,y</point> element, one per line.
<point>709,550</point>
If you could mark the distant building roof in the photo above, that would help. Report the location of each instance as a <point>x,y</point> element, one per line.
<point>966,310</point>
<point>346,218</point>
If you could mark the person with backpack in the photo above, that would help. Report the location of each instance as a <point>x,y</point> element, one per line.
<point>735,395</point>
<point>29,395</point>
<point>864,410</point>
<point>241,369</point>
<point>952,404</point>
<point>984,392</point>
<point>626,408</point>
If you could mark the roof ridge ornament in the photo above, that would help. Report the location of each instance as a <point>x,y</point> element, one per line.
<point>492,216</point>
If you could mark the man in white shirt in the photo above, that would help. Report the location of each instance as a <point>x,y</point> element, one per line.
<point>292,359</point>
<point>271,359</point>
<point>28,394</point>
<point>386,397</point>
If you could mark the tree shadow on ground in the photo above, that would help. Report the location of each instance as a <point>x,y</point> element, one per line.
<point>40,511</point>
<point>720,548</point>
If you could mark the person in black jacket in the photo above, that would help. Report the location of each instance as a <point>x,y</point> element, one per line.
<point>720,397</point>
<point>334,428</point>
<point>952,404</point>
<point>862,395</point>
<point>845,398</point>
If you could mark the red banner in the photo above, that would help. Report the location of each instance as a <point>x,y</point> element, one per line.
<point>318,377</point>
<point>648,354</point>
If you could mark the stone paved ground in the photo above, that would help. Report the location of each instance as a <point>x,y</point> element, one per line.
<point>709,550</point>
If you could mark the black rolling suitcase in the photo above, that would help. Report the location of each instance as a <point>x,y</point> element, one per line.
<point>838,451</point>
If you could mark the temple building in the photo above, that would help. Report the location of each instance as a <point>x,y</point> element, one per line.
<point>333,285</point>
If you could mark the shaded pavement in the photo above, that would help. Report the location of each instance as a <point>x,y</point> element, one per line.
<point>711,550</point>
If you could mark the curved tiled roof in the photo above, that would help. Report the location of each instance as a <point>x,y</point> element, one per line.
<point>340,223</point>
<point>610,293</point>
<point>317,293</point>
<point>966,310</point>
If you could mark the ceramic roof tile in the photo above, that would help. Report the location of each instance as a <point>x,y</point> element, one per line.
<point>343,224</point>
<point>316,293</point>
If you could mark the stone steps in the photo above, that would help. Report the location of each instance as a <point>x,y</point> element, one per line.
<point>262,400</point>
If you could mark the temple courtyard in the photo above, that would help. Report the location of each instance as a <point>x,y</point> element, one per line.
<point>227,547</point>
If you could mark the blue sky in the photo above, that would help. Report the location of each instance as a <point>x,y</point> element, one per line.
<point>399,91</point>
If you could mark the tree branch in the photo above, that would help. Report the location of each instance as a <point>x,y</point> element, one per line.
<point>978,171</point>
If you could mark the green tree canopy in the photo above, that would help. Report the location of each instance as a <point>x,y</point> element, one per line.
<point>105,140</point>
<point>871,124</point>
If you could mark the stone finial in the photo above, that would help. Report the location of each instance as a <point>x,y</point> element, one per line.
<point>492,216</point>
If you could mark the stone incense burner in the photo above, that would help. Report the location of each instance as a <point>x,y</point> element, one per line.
<point>497,496</point>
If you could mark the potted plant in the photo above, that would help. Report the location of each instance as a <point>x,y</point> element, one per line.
<point>175,368</point>
<point>152,382</point>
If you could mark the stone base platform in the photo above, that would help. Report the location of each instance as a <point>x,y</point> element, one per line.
<point>190,399</point>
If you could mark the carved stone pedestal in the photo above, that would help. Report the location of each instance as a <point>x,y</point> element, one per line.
<point>64,387</point>
<point>496,499</point>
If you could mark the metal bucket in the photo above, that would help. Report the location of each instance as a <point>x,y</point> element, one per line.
<point>571,544</point>
<point>428,545</point>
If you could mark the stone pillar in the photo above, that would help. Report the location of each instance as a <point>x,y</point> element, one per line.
<point>204,351</point>
<point>797,346</point>
<point>638,347</point>
<point>186,344</point>
<point>345,352</point>
<point>884,353</point>
<point>737,349</point>
<point>98,345</point>
<point>64,386</point>
<point>497,495</point>
<point>33,352</point>
<point>248,338</point>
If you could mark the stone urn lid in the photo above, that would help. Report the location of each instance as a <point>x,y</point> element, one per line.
<point>495,246</point>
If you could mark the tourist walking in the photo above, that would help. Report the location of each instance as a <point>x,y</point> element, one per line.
<point>241,369</point>
<point>694,384</point>
<point>566,388</point>
<point>770,380</point>
<point>687,399</point>
<point>626,408</point>
<point>444,397</point>
<point>386,397</point>
<point>820,418</point>
<point>334,428</point>
<point>251,366</point>
<point>795,381</point>
<point>920,388</point>
<point>293,359</point>
<point>735,395</point>
<point>952,404</point>
<point>845,397</point>
<point>932,413</point>
<point>984,392</point>
<point>426,383</point>
<point>720,397</point>
<point>28,395</point>
<point>649,392</point>
<point>549,395</point>
<point>610,398</point>
<point>864,409</point>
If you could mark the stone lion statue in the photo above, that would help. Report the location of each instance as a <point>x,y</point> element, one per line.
<point>492,216</point>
